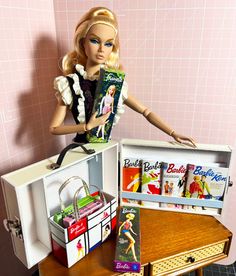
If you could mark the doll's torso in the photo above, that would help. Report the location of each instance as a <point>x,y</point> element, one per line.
<point>88,87</point>
<point>127,225</point>
<point>107,104</point>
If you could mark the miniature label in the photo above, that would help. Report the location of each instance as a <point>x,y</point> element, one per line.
<point>173,182</point>
<point>151,180</point>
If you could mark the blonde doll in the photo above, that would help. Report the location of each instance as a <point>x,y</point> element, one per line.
<point>96,44</point>
<point>106,106</point>
<point>126,229</point>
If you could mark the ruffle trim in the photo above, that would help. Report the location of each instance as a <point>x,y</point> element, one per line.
<point>80,69</point>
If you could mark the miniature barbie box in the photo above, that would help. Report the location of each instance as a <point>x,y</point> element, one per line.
<point>107,97</point>
<point>31,198</point>
<point>77,231</point>
<point>214,157</point>
<point>127,258</point>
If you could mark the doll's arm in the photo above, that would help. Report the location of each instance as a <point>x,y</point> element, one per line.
<point>101,105</point>
<point>207,188</point>
<point>112,105</point>
<point>131,230</point>
<point>155,120</point>
<point>119,232</point>
<point>57,126</point>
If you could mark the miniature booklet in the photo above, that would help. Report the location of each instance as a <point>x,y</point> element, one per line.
<point>131,174</point>
<point>173,182</point>
<point>205,182</point>
<point>106,100</point>
<point>151,180</point>
<point>127,257</point>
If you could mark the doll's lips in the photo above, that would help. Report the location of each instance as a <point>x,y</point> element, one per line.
<point>100,57</point>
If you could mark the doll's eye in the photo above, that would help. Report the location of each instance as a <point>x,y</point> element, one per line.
<point>94,41</point>
<point>108,44</point>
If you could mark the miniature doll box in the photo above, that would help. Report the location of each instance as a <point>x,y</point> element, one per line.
<point>31,195</point>
<point>204,154</point>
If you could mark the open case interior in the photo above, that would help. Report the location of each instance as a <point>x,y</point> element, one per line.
<point>205,155</point>
<point>31,194</point>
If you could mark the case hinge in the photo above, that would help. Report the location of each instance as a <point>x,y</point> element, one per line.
<point>14,227</point>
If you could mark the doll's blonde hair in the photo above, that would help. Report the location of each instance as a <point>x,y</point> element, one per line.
<point>113,88</point>
<point>130,216</point>
<point>94,16</point>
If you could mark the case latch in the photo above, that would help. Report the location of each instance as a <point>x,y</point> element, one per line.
<point>14,227</point>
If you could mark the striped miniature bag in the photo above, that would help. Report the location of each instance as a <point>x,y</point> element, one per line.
<point>83,225</point>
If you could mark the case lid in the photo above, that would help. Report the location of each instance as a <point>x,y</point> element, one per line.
<point>31,194</point>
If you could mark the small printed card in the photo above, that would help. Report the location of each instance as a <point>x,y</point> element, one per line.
<point>151,180</point>
<point>173,182</point>
<point>206,183</point>
<point>132,173</point>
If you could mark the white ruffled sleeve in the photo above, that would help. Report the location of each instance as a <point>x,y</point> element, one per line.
<point>61,84</point>
<point>120,106</point>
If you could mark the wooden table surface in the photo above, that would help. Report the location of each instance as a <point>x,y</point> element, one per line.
<point>163,234</point>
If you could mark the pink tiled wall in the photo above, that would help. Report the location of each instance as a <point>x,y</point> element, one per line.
<point>28,60</point>
<point>179,57</point>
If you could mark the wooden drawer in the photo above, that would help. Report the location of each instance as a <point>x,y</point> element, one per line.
<point>189,259</point>
<point>141,273</point>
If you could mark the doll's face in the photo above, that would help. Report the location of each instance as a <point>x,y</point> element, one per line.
<point>111,90</point>
<point>98,43</point>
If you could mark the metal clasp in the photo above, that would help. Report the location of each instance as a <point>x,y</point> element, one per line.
<point>14,227</point>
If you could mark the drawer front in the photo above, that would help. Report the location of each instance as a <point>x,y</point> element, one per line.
<point>186,259</point>
<point>141,273</point>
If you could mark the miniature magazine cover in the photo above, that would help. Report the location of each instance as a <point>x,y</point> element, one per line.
<point>173,182</point>
<point>205,182</point>
<point>127,257</point>
<point>151,180</point>
<point>106,100</point>
<point>131,175</point>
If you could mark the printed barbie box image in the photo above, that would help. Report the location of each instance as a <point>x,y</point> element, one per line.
<point>107,98</point>
<point>151,180</point>
<point>131,174</point>
<point>173,181</point>
<point>206,182</point>
<point>127,258</point>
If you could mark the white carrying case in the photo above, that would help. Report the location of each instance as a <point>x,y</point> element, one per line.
<point>31,195</point>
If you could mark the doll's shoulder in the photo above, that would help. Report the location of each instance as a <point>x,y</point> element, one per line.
<point>64,86</point>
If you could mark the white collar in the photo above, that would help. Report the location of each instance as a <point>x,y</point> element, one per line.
<point>80,69</point>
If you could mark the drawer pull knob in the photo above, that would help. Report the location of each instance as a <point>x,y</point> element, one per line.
<point>190,259</point>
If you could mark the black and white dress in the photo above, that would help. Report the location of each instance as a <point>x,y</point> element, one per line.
<point>77,92</point>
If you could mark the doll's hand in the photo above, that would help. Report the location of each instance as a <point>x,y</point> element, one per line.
<point>180,138</point>
<point>94,122</point>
